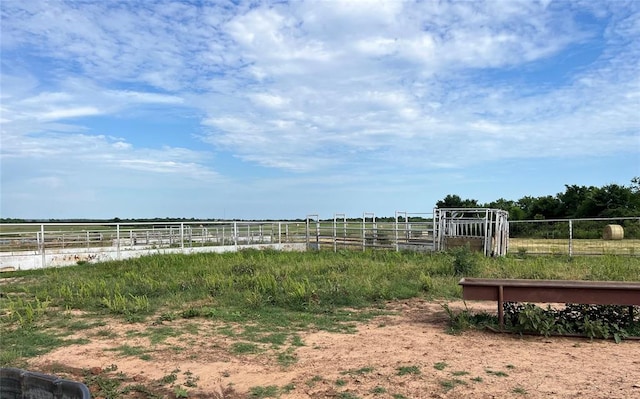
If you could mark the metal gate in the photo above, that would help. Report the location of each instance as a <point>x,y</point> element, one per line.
<point>482,229</point>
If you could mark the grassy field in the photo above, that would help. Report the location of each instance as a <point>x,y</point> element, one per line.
<point>267,292</point>
<point>579,246</point>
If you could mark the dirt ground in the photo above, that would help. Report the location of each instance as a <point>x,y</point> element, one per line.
<point>406,354</point>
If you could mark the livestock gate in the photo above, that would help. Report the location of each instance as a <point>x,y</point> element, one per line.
<point>482,229</point>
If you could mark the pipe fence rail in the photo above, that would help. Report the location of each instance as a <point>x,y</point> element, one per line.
<point>575,236</point>
<point>31,245</point>
<point>36,245</point>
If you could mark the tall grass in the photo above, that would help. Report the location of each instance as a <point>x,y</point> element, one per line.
<point>286,289</point>
<point>301,281</point>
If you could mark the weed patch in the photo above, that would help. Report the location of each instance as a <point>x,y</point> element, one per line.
<point>440,365</point>
<point>240,348</point>
<point>496,373</point>
<point>450,384</point>
<point>405,370</point>
<point>270,391</point>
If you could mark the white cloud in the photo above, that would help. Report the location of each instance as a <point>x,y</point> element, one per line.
<point>68,113</point>
<point>269,100</point>
<point>318,87</point>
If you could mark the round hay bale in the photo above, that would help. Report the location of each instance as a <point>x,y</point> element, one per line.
<point>613,232</point>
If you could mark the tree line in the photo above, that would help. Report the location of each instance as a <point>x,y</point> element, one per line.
<point>576,202</point>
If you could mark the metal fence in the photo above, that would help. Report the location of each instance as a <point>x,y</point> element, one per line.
<point>419,232</point>
<point>407,231</point>
<point>575,236</point>
<point>27,246</point>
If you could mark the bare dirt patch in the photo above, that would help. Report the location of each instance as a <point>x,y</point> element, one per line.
<point>405,354</point>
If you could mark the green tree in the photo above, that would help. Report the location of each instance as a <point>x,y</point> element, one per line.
<point>572,198</point>
<point>515,212</point>
<point>612,201</point>
<point>454,201</point>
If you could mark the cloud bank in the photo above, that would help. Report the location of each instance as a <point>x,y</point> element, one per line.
<point>292,92</point>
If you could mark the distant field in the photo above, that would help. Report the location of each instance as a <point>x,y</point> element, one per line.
<point>585,247</point>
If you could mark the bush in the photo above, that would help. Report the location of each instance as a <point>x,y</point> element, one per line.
<point>465,261</point>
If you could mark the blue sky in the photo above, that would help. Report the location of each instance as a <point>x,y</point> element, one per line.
<point>277,110</point>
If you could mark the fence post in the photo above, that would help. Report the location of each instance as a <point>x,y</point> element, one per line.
<point>317,229</point>
<point>335,229</point>
<point>44,258</point>
<point>364,232</point>
<point>335,233</point>
<point>570,237</point>
<point>279,232</point>
<point>118,241</point>
<point>182,237</point>
<point>235,233</point>
<point>395,226</point>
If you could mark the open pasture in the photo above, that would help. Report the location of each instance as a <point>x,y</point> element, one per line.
<point>628,247</point>
<point>253,324</point>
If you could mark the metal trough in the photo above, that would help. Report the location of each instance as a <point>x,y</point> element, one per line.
<point>550,291</point>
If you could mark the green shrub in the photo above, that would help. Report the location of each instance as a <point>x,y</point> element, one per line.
<point>465,262</point>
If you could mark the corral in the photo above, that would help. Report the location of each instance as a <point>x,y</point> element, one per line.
<point>27,246</point>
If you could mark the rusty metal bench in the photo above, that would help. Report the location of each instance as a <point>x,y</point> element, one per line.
<point>551,291</point>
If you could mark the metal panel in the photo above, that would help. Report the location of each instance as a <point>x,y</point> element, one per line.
<point>550,291</point>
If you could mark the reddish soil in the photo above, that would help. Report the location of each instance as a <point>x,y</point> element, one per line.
<point>368,363</point>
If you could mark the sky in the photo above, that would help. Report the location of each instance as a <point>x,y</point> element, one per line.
<point>283,109</point>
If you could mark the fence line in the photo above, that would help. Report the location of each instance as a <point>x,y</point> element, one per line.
<point>34,245</point>
<point>574,236</point>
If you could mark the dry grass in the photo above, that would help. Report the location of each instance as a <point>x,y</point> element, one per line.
<point>579,247</point>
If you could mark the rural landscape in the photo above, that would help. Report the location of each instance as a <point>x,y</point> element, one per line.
<point>312,324</point>
<point>325,322</point>
<point>319,199</point>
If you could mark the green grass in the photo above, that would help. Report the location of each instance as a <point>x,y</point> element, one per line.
<point>244,348</point>
<point>440,365</point>
<point>450,384</point>
<point>270,391</point>
<point>170,378</point>
<point>250,281</point>
<point>160,334</point>
<point>287,358</point>
<point>378,390</point>
<point>497,373</point>
<point>261,300</point>
<point>22,343</point>
<point>405,370</point>
<point>519,390</point>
